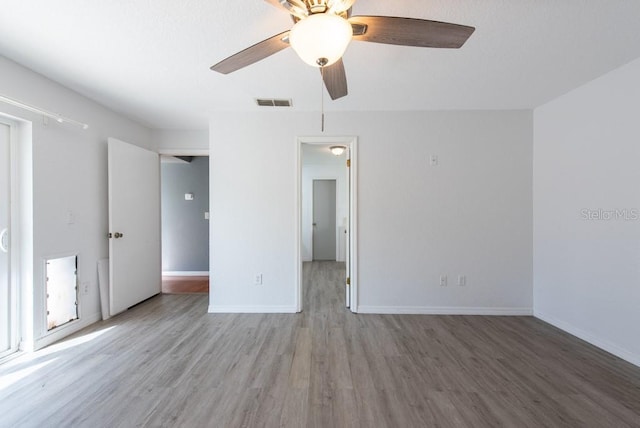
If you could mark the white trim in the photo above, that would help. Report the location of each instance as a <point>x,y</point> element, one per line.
<point>14,236</point>
<point>353,224</point>
<point>24,248</point>
<point>21,140</point>
<point>589,337</point>
<point>351,142</point>
<point>297,234</point>
<point>444,310</point>
<point>214,309</point>
<point>185,273</point>
<point>63,331</point>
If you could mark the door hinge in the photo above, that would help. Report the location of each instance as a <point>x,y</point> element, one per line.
<point>348,163</point>
<point>348,281</point>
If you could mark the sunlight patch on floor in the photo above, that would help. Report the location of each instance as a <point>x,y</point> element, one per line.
<point>10,379</point>
<point>67,344</point>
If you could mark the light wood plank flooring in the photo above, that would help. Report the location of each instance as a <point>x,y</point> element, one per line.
<point>185,284</point>
<point>169,363</point>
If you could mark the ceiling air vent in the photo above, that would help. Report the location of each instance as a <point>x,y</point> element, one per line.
<point>270,102</point>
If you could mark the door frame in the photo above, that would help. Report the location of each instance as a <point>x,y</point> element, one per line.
<point>187,152</point>
<point>351,142</point>
<point>14,236</point>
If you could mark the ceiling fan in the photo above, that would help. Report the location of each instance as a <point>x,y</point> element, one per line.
<point>323,29</point>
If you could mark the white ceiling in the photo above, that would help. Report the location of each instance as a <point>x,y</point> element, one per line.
<point>150,59</point>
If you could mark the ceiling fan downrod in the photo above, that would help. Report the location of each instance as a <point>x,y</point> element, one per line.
<point>322,94</point>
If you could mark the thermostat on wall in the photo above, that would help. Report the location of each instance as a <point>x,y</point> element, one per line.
<point>188,196</point>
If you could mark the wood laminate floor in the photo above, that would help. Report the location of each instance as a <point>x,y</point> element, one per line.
<point>185,284</point>
<point>168,363</point>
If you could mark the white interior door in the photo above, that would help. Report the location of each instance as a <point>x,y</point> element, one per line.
<point>6,298</point>
<point>324,219</point>
<point>134,225</point>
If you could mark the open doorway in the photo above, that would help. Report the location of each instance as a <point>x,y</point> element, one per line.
<point>185,224</point>
<point>326,218</point>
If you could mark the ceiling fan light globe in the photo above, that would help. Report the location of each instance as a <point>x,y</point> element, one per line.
<point>321,36</point>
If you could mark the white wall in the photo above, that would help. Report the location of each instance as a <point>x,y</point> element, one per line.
<point>470,215</point>
<point>586,157</point>
<point>181,141</point>
<point>323,168</point>
<point>69,172</point>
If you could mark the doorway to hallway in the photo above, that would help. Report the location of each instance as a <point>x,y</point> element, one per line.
<point>185,223</point>
<point>327,180</point>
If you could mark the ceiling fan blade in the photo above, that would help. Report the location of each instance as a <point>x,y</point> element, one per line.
<point>335,79</point>
<point>411,32</point>
<point>253,54</point>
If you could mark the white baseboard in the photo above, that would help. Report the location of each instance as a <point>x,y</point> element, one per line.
<point>185,273</point>
<point>63,332</point>
<point>213,309</point>
<point>588,337</point>
<point>443,310</point>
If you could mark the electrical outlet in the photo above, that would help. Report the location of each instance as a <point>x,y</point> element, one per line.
<point>433,160</point>
<point>443,280</point>
<point>462,280</point>
<point>85,287</point>
<point>258,279</point>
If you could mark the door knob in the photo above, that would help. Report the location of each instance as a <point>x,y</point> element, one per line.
<point>315,224</point>
<point>118,235</point>
<point>4,240</point>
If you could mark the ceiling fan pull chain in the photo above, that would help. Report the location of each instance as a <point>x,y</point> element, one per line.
<point>322,97</point>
